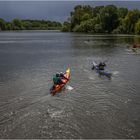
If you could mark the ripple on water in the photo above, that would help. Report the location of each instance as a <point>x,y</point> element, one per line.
<point>95,108</point>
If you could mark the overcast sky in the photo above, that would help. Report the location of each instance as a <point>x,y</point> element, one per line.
<point>51,10</point>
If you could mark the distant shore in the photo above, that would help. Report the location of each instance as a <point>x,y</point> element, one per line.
<point>18,24</point>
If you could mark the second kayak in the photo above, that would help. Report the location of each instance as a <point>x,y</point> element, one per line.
<point>101,72</point>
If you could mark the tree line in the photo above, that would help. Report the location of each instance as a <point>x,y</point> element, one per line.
<point>103,19</point>
<point>17,24</point>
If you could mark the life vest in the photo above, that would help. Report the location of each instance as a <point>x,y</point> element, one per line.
<point>56,79</point>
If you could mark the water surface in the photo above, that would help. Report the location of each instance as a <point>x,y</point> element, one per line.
<point>96,107</point>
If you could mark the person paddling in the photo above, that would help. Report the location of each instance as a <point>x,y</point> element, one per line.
<point>56,79</point>
<point>101,65</point>
<point>62,76</point>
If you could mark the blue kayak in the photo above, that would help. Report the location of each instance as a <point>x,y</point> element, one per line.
<point>101,72</point>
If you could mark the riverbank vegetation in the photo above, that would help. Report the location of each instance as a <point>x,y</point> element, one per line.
<point>103,19</point>
<point>17,24</point>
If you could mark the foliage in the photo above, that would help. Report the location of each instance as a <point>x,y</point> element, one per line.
<point>8,26</point>
<point>66,27</point>
<point>86,26</point>
<point>78,15</point>
<point>109,18</point>
<point>103,19</point>
<point>122,12</point>
<point>2,24</point>
<point>137,27</point>
<point>17,24</point>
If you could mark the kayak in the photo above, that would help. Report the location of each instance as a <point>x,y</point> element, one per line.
<point>133,46</point>
<point>101,72</point>
<point>58,88</point>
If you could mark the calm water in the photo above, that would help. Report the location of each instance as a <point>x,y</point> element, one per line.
<point>96,107</point>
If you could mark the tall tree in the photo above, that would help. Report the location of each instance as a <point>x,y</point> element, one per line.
<point>17,24</point>
<point>130,20</point>
<point>109,18</point>
<point>2,24</point>
<point>122,12</point>
<point>137,27</point>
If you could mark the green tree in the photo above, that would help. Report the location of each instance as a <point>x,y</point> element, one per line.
<point>36,25</point>
<point>130,20</point>
<point>109,18</point>
<point>122,12</point>
<point>8,26</point>
<point>66,27</point>
<point>27,25</point>
<point>137,27</point>
<point>86,16</point>
<point>17,24</point>
<point>98,28</point>
<point>89,10</point>
<point>2,24</point>
<point>80,14</point>
<point>96,10</point>
<point>86,26</point>
<point>76,16</point>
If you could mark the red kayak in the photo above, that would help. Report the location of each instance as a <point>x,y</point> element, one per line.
<point>58,88</point>
<point>135,46</point>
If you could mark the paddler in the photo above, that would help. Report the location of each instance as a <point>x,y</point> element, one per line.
<point>57,80</point>
<point>62,76</point>
<point>101,65</point>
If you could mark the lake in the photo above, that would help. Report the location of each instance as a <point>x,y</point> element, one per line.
<point>89,107</point>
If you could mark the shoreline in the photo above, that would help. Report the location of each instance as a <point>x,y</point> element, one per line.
<point>90,34</point>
